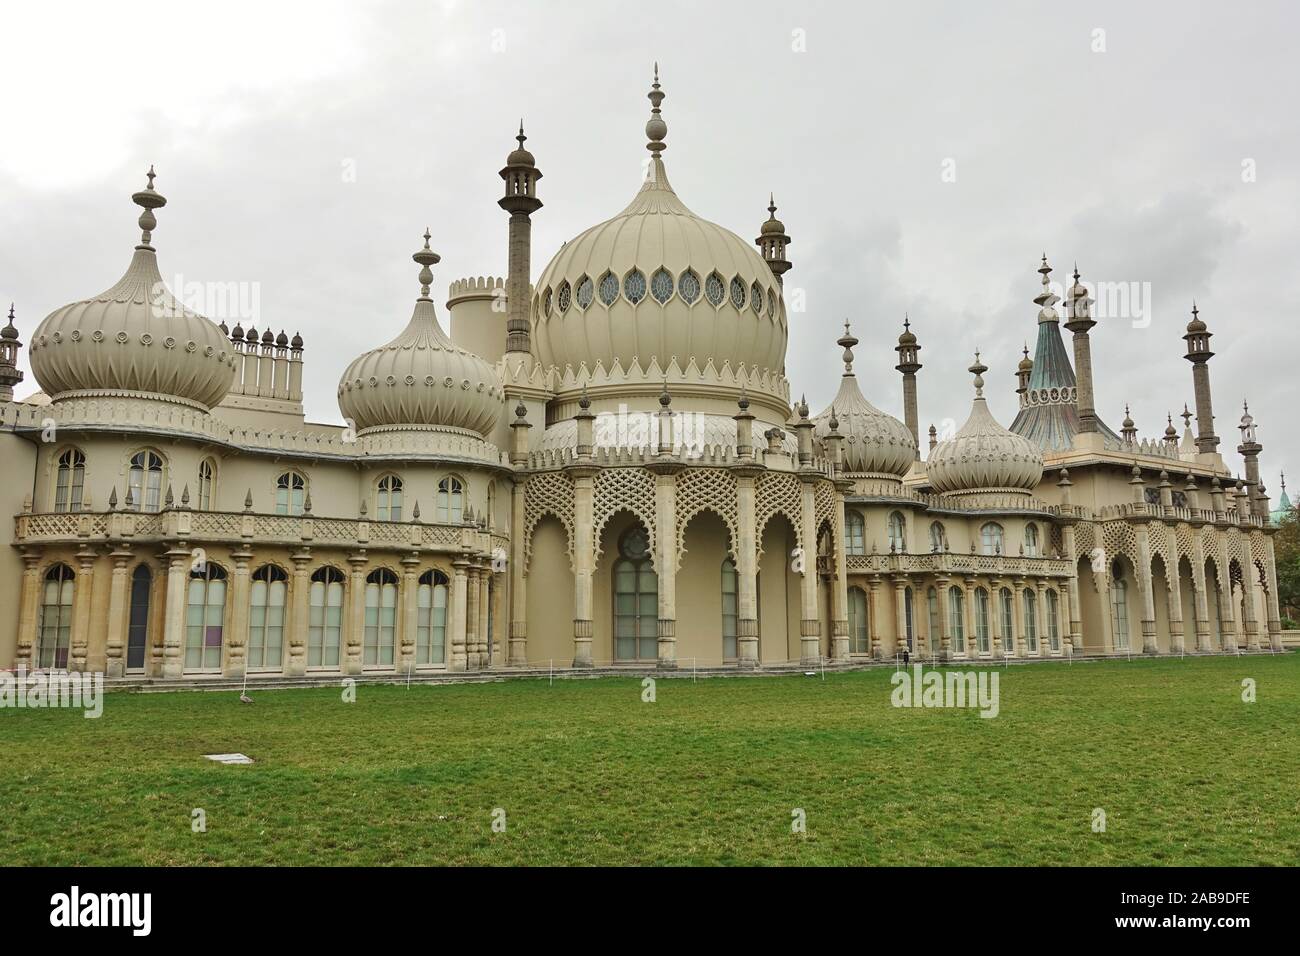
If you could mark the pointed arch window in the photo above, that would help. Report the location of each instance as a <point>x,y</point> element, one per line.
<point>1119,605</point>
<point>714,290</point>
<point>982,621</point>
<point>859,622</point>
<point>771,303</point>
<point>909,614</point>
<point>991,538</point>
<point>388,499</point>
<point>933,623</point>
<point>54,629</point>
<point>562,297</point>
<point>381,618</point>
<point>1031,540</point>
<point>70,481</point>
<point>325,621</point>
<point>608,288</point>
<point>1053,620</point>
<point>205,618</point>
<point>266,600</point>
<point>756,298</point>
<point>290,493</point>
<point>451,500</point>
<point>431,618</point>
<point>636,600</point>
<point>144,480</point>
<point>137,629</point>
<point>738,292</point>
<point>1031,621</point>
<point>661,286</point>
<point>1008,621</point>
<point>634,286</point>
<point>207,478</point>
<point>957,619</point>
<point>938,540</point>
<point>586,292</point>
<point>855,533</point>
<point>546,303</point>
<point>688,286</point>
<point>897,537</point>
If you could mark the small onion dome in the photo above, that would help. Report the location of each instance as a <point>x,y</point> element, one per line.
<point>282,340</point>
<point>421,379</point>
<point>1026,363</point>
<point>521,156</point>
<point>1196,325</point>
<point>296,341</point>
<point>134,340</point>
<point>251,335</point>
<point>1171,433</point>
<point>1128,419</point>
<point>773,226</point>
<point>10,331</point>
<point>984,456</point>
<point>907,336</point>
<point>875,443</point>
<point>267,337</point>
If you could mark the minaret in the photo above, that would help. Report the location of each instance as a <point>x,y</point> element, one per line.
<point>772,241</point>
<point>1080,322</point>
<point>1199,354</point>
<point>1249,449</point>
<point>10,374</point>
<point>908,364</point>
<point>1023,371</point>
<point>1171,434</point>
<point>520,175</point>
<point>1128,429</point>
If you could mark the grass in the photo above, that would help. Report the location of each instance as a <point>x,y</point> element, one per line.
<point>708,774</point>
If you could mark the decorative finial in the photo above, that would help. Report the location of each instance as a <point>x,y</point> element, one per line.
<point>978,370</point>
<point>1046,299</point>
<point>846,342</point>
<point>148,200</point>
<point>803,407</point>
<point>655,128</point>
<point>521,137</point>
<point>584,402</point>
<point>521,411</point>
<point>1186,417</point>
<point>664,398</point>
<point>426,257</point>
<point>834,423</point>
<point>743,401</point>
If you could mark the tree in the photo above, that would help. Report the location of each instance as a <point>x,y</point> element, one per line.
<point>1286,547</point>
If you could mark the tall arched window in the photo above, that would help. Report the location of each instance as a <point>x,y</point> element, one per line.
<point>388,499</point>
<point>431,618</point>
<point>859,622</point>
<point>938,540</point>
<point>144,481</point>
<point>636,600</point>
<point>325,625</point>
<point>1031,540</point>
<point>982,621</point>
<point>381,618</point>
<point>897,532</point>
<point>205,618</point>
<point>137,629</point>
<point>956,608</point>
<point>492,505</point>
<point>54,629</point>
<point>908,618</point>
<point>70,480</point>
<point>991,538</point>
<point>207,476</point>
<point>935,635</point>
<point>855,533</point>
<point>1031,621</point>
<point>451,495</point>
<point>290,493</point>
<point>1119,606</point>
<point>1008,621</point>
<point>1053,620</point>
<point>266,601</point>
<point>730,609</point>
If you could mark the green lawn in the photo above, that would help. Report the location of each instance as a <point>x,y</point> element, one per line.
<point>708,774</point>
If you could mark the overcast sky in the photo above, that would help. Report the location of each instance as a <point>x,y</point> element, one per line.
<point>923,156</point>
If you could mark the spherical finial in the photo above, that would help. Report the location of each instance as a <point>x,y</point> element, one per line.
<point>743,401</point>
<point>664,398</point>
<point>584,402</point>
<point>834,423</point>
<point>521,411</point>
<point>846,342</point>
<point>802,408</point>
<point>148,200</point>
<point>978,369</point>
<point>655,128</point>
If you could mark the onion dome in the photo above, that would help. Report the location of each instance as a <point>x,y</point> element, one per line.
<point>296,341</point>
<point>136,340</point>
<point>282,340</point>
<point>1196,325</point>
<point>983,456</point>
<point>875,443</point>
<point>656,283</point>
<point>268,338</point>
<point>907,336</point>
<point>421,379</point>
<point>773,226</point>
<point>251,336</point>
<point>10,331</point>
<point>521,156</point>
<point>1026,363</point>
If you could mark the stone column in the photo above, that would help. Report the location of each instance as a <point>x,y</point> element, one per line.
<point>584,560</point>
<point>1044,635</point>
<point>409,619</point>
<point>1149,645</point>
<point>1174,598</point>
<point>1018,616</point>
<point>810,622</point>
<point>471,616</point>
<point>484,596</point>
<point>29,603</point>
<point>995,616</point>
<point>1227,606</point>
<point>518,580</point>
<point>1074,633</point>
<point>459,596</point>
<point>746,570</point>
<point>1250,594</point>
<point>115,646</point>
<point>945,627</point>
<point>237,638</point>
<point>169,659</point>
<point>900,613</point>
<point>666,561</point>
<point>873,616</point>
<point>300,618</point>
<point>1101,582</point>
<point>355,635</point>
<point>1200,597</point>
<point>968,613</point>
<point>82,591</point>
<point>840,590</point>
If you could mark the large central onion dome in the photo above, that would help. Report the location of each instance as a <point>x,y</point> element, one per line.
<point>657,283</point>
<point>876,444</point>
<point>983,456</point>
<point>421,379</point>
<point>136,340</point>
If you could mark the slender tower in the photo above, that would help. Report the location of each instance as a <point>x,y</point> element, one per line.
<point>1199,354</point>
<point>520,175</point>
<point>1249,449</point>
<point>10,373</point>
<point>1080,322</point>
<point>772,241</point>
<point>909,364</point>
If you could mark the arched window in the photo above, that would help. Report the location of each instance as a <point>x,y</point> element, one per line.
<point>897,542</point>
<point>204,618</point>
<point>325,625</point>
<point>290,493</point>
<point>634,286</point>
<point>1031,540</point>
<point>1053,620</point>
<point>431,618</point>
<point>586,291</point>
<point>756,298</point>
<point>991,538</point>
<point>207,475</point>
<point>956,608</point>
<point>381,618</point>
<point>661,286</point>
<point>388,499</point>
<point>938,540</point>
<point>70,480</point>
<point>688,286</point>
<point>714,290</point>
<point>1008,621</point>
<point>144,481</point>
<point>451,495</point>
<point>859,622</point>
<point>932,607</point>
<point>54,629</point>
<point>608,288</point>
<point>636,600</point>
<point>1119,605</point>
<point>730,609</point>
<point>982,621</point>
<point>137,629</point>
<point>855,533</point>
<point>266,601</point>
<point>738,292</point>
<point>908,614</point>
<point>1031,621</point>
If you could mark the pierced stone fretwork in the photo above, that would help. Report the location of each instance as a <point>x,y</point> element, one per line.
<point>547,493</point>
<point>706,489</point>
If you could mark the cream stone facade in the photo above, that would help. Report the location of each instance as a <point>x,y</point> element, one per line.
<point>600,469</point>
